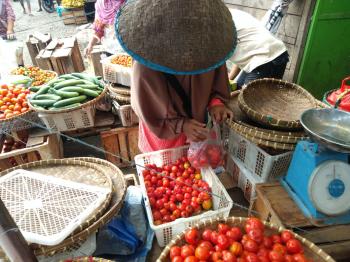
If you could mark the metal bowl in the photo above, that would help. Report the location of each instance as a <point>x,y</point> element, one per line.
<point>328,127</point>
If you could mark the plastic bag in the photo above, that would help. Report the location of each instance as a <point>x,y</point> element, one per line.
<point>209,152</point>
<point>9,52</point>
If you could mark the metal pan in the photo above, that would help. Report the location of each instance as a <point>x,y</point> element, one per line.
<point>328,127</point>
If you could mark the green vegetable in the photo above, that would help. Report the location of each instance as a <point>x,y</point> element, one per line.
<point>65,107</point>
<point>68,83</point>
<point>89,86</point>
<point>34,88</point>
<point>64,94</point>
<point>91,93</point>
<point>72,89</point>
<point>54,81</point>
<point>69,101</point>
<point>42,90</point>
<point>48,97</point>
<point>69,77</point>
<point>43,103</point>
<point>84,77</point>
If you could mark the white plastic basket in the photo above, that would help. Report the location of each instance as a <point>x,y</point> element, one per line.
<point>222,203</point>
<point>114,73</point>
<point>264,166</point>
<point>48,209</point>
<point>126,114</point>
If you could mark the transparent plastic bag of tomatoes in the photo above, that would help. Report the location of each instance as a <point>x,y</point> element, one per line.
<point>209,152</point>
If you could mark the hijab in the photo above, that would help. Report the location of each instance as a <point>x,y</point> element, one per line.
<point>106,10</point>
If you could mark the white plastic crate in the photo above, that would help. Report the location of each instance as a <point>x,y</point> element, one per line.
<point>264,166</point>
<point>126,114</point>
<point>114,73</point>
<point>221,205</point>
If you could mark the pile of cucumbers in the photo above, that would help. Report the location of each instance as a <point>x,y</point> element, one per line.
<point>66,91</point>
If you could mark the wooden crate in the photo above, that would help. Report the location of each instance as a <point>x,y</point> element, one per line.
<point>40,146</point>
<point>121,142</point>
<point>273,204</point>
<point>74,16</point>
<point>96,60</point>
<point>35,43</point>
<point>62,56</point>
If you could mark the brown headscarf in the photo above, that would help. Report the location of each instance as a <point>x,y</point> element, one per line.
<point>157,104</point>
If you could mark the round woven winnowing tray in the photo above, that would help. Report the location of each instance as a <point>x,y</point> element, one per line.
<point>119,89</point>
<point>241,123</point>
<point>76,171</point>
<point>275,103</point>
<point>118,194</point>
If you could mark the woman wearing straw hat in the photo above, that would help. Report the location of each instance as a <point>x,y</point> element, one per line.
<point>180,48</point>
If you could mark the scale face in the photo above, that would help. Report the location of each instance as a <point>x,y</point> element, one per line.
<point>329,186</point>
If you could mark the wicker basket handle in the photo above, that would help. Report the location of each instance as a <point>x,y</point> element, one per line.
<point>340,97</point>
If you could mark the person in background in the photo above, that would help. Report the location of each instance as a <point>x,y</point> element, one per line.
<point>180,72</point>
<point>258,54</point>
<point>105,12</point>
<point>7,20</point>
<point>28,5</point>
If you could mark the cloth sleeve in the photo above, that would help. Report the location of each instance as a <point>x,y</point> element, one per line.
<point>98,27</point>
<point>9,11</point>
<point>221,88</point>
<point>152,103</point>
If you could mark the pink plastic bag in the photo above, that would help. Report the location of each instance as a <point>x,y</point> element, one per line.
<point>209,152</point>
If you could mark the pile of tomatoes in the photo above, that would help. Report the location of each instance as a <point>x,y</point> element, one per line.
<point>13,100</point>
<point>232,244</point>
<point>124,60</point>
<point>206,155</point>
<point>176,191</point>
<point>38,75</point>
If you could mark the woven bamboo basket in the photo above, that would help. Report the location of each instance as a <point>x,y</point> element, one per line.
<point>76,170</point>
<point>87,259</point>
<point>242,124</point>
<point>275,103</point>
<point>118,194</point>
<point>311,251</point>
<point>119,89</point>
<point>20,122</point>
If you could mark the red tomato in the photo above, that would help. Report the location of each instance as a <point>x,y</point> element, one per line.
<point>279,248</point>
<point>286,235</point>
<point>276,239</point>
<point>254,223</point>
<point>256,234</point>
<point>207,204</point>
<point>227,256</point>
<point>236,248</point>
<point>191,259</point>
<point>206,244</point>
<point>235,234</point>
<point>267,242</point>
<point>263,253</point>
<point>214,237</point>
<point>299,258</point>
<point>251,257</point>
<point>175,251</point>
<point>187,250</point>
<point>202,253</point>
<point>216,256</point>
<point>276,256</point>
<point>251,246</point>
<point>192,236</point>
<point>223,241</point>
<point>288,258</point>
<point>206,235</point>
<point>223,228</point>
<point>294,246</point>
<point>157,215</point>
<point>177,259</point>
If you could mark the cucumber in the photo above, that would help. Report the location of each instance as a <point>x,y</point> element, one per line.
<point>39,107</point>
<point>43,103</point>
<point>91,93</point>
<point>34,88</point>
<point>84,77</point>
<point>54,81</point>
<point>68,83</point>
<point>41,91</point>
<point>65,107</point>
<point>72,89</point>
<point>69,101</point>
<point>64,94</point>
<point>48,97</point>
<point>89,86</point>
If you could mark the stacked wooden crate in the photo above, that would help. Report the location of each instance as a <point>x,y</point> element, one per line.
<point>36,42</point>
<point>62,56</point>
<point>75,16</point>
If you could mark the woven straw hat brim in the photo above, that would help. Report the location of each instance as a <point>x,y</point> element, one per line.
<point>177,36</point>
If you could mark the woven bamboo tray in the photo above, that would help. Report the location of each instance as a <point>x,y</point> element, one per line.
<point>311,251</point>
<point>87,259</point>
<point>118,194</point>
<point>275,103</point>
<point>119,89</point>
<point>89,173</point>
<point>242,124</point>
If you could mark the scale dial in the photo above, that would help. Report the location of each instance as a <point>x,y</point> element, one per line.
<point>329,187</point>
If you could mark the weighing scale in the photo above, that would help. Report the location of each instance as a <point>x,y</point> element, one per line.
<point>318,178</point>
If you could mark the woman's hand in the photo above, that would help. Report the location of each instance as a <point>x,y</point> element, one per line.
<point>220,113</point>
<point>88,50</point>
<point>10,35</point>
<point>194,130</point>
